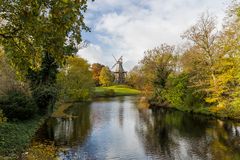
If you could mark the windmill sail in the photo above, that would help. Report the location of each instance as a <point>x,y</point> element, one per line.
<point>119,72</point>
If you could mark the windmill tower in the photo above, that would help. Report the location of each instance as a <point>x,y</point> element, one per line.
<point>119,72</point>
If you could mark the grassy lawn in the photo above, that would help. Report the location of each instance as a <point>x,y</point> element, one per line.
<point>117,90</point>
<point>15,137</point>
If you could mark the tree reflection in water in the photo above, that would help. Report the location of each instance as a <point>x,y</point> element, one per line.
<point>119,128</point>
<point>73,130</point>
<point>171,134</point>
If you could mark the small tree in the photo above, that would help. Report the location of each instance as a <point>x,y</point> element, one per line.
<point>135,78</point>
<point>75,80</point>
<point>106,77</point>
<point>96,69</point>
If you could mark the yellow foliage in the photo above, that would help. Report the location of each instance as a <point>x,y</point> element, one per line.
<point>2,118</point>
<point>217,108</point>
<point>75,80</point>
<point>106,77</point>
<point>42,151</point>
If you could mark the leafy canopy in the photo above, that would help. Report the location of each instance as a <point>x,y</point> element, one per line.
<point>75,80</point>
<point>30,29</point>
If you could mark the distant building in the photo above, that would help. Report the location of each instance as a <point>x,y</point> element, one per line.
<point>119,72</point>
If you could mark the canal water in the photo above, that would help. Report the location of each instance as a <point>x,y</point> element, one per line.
<point>120,129</point>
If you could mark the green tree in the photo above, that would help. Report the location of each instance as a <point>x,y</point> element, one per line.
<point>38,36</point>
<point>179,93</point>
<point>135,78</point>
<point>106,77</point>
<point>157,65</point>
<point>75,80</point>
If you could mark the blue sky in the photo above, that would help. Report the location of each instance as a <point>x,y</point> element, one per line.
<point>130,27</point>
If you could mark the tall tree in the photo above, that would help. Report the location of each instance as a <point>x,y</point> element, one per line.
<point>203,35</point>
<point>227,65</point>
<point>38,36</point>
<point>157,64</point>
<point>36,32</point>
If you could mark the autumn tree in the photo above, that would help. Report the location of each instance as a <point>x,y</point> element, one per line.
<point>135,78</point>
<point>157,64</point>
<point>227,66</point>
<point>203,36</point>
<point>75,80</point>
<point>204,74</point>
<point>106,77</point>
<point>96,69</point>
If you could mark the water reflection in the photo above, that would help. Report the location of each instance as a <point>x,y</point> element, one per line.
<point>118,128</point>
<point>174,135</point>
<point>70,131</point>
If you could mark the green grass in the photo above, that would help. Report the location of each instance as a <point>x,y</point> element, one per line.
<point>119,90</point>
<point>15,137</point>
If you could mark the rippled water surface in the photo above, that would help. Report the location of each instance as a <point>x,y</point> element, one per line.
<point>116,128</point>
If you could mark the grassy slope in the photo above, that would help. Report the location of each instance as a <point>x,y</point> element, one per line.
<point>15,137</point>
<point>119,90</point>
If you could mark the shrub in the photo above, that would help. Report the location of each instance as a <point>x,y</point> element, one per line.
<point>17,105</point>
<point>109,92</point>
<point>2,118</point>
<point>45,97</point>
<point>15,137</point>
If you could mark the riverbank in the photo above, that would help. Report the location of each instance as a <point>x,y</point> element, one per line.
<point>116,90</point>
<point>15,137</point>
<point>216,112</point>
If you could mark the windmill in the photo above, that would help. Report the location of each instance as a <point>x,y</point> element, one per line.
<point>119,72</point>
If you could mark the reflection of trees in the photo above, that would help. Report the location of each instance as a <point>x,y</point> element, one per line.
<point>121,110</point>
<point>120,114</point>
<point>155,133</point>
<point>70,131</point>
<point>226,141</point>
<point>163,132</point>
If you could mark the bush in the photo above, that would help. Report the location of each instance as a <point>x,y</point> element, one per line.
<point>2,118</point>
<point>45,97</point>
<point>15,137</point>
<point>178,93</point>
<point>109,92</point>
<point>17,105</point>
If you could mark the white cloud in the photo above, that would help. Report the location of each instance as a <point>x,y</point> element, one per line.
<point>92,53</point>
<point>129,27</point>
